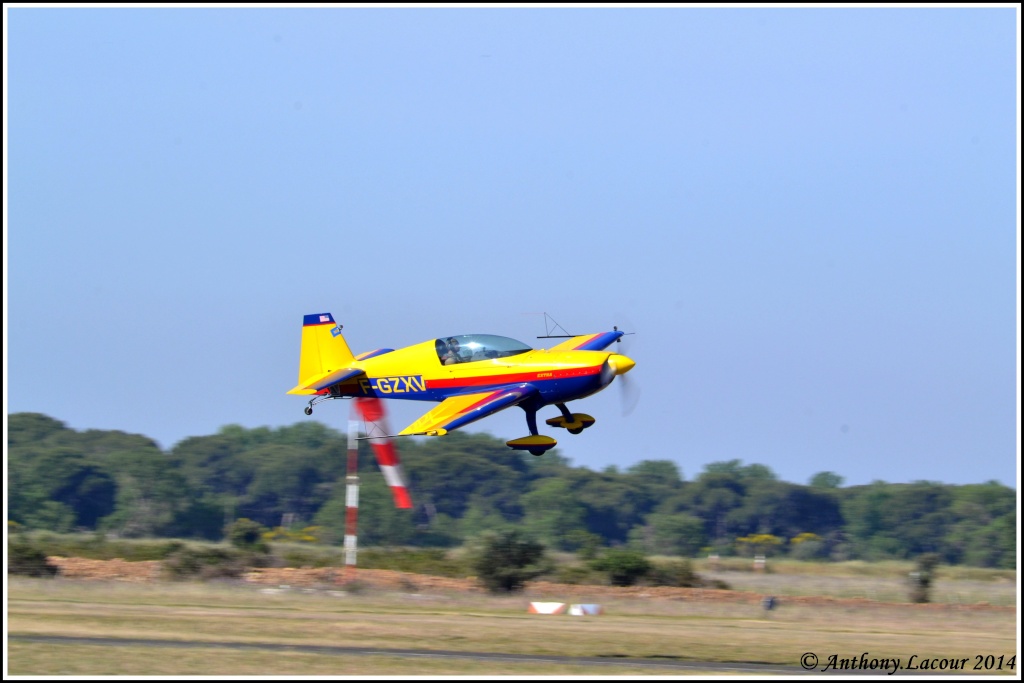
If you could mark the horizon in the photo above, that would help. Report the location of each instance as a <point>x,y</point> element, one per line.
<point>624,469</point>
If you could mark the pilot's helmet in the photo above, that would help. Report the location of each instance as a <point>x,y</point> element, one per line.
<point>453,343</point>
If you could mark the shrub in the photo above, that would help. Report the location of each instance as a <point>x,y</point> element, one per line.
<point>677,573</point>
<point>505,561</point>
<point>300,557</point>
<point>97,546</point>
<point>808,550</point>
<point>27,560</point>
<point>624,567</point>
<point>212,563</point>
<point>248,535</point>
<point>578,575</point>
<point>680,574</point>
<point>357,587</point>
<point>433,561</point>
<point>921,580</point>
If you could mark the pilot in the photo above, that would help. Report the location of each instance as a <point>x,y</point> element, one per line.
<point>452,355</point>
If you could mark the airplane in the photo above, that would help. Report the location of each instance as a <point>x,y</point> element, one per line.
<point>471,375</point>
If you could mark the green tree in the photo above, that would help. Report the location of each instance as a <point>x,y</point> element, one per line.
<point>826,480</point>
<point>613,504</point>
<point>60,475</point>
<point>214,464</point>
<point>712,497</point>
<point>448,472</point>
<point>974,536</point>
<point>151,493</point>
<point>662,471</point>
<point>1006,534</point>
<point>670,534</point>
<point>52,516</point>
<point>285,480</point>
<point>757,472</point>
<point>653,481</point>
<point>379,522</point>
<point>31,429</point>
<point>867,510</point>
<point>730,468</point>
<point>553,513</point>
<point>481,516</point>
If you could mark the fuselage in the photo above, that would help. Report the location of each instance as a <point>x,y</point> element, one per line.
<point>418,373</point>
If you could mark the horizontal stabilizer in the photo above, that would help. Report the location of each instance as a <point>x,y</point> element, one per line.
<point>314,384</point>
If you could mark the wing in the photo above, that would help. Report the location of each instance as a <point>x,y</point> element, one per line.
<point>318,382</point>
<point>458,411</point>
<point>588,342</point>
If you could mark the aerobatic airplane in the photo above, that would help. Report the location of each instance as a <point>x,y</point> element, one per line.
<point>472,375</point>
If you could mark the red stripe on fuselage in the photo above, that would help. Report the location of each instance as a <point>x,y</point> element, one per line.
<point>485,380</point>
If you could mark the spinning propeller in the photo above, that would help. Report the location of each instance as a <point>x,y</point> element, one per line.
<point>629,390</point>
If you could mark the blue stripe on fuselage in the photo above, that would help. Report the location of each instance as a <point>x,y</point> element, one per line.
<point>550,390</point>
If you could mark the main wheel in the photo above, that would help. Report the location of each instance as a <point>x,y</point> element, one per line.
<point>308,410</point>
<point>537,451</point>
<point>579,430</point>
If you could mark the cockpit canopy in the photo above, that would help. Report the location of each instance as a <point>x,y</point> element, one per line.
<point>467,348</point>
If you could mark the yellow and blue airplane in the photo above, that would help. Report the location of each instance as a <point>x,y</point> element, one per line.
<point>472,375</point>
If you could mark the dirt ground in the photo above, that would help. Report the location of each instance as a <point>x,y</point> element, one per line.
<point>385,579</point>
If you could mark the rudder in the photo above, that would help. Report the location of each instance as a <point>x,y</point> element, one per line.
<point>324,348</point>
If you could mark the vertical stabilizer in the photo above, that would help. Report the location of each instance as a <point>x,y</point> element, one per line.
<point>324,348</point>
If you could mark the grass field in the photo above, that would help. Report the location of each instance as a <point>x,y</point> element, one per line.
<point>880,588</point>
<point>670,630</point>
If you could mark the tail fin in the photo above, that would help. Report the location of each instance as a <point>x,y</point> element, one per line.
<point>324,350</point>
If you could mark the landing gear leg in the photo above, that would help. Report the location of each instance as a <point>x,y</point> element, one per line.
<point>308,410</point>
<point>535,443</point>
<point>570,418</point>
<point>531,421</point>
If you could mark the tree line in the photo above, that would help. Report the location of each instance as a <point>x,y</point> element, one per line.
<point>292,480</point>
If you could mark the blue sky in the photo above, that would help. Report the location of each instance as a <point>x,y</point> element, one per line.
<point>809,217</point>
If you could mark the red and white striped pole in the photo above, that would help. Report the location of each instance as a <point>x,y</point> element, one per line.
<point>351,496</point>
<point>372,410</point>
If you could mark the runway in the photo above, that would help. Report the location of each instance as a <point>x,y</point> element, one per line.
<point>670,664</point>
